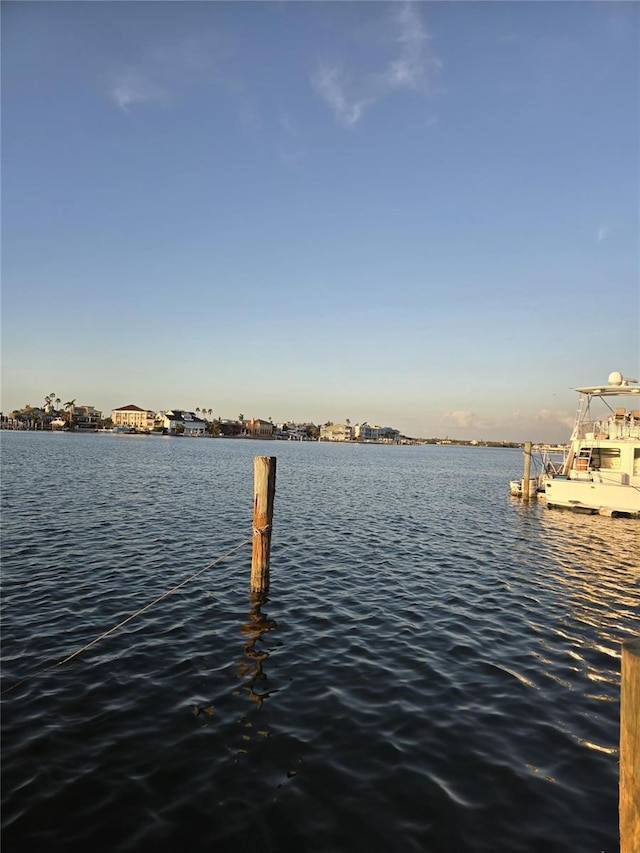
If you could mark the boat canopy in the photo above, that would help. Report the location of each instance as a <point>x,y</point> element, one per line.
<point>617,385</point>
<point>609,390</point>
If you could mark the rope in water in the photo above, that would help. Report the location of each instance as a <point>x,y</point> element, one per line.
<point>137,613</point>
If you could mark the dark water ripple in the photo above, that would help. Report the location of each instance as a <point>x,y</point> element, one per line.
<point>436,667</point>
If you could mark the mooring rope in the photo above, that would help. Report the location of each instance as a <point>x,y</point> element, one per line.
<point>132,615</point>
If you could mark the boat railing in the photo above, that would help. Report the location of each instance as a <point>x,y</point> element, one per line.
<point>550,459</point>
<point>559,449</point>
<point>614,427</point>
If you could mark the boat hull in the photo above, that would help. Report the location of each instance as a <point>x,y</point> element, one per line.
<point>614,499</point>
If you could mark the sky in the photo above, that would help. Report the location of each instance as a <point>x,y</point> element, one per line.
<point>420,215</point>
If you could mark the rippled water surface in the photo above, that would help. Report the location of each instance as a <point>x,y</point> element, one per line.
<point>436,667</point>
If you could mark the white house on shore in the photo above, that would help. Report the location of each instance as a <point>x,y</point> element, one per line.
<point>177,420</point>
<point>133,416</point>
<point>336,432</point>
<point>369,432</point>
<point>359,432</point>
<point>294,431</point>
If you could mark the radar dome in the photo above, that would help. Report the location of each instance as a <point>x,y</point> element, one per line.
<point>615,378</point>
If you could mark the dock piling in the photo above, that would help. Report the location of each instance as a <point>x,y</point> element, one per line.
<point>527,471</point>
<point>630,748</point>
<point>264,488</point>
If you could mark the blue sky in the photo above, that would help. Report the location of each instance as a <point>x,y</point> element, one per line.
<point>421,215</point>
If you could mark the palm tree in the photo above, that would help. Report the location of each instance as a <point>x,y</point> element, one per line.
<point>197,409</point>
<point>210,412</point>
<point>57,402</point>
<point>70,407</point>
<point>49,401</point>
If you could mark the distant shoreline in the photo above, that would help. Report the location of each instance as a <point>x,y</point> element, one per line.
<point>409,442</point>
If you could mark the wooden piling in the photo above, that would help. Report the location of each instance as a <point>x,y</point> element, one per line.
<point>569,463</point>
<point>527,471</point>
<point>630,748</point>
<point>264,489</point>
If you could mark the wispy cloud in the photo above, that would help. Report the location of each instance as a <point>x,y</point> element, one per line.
<point>409,68</point>
<point>350,91</point>
<point>160,73</point>
<point>549,418</point>
<point>130,87</point>
<point>332,86</point>
<point>460,419</point>
<point>603,233</point>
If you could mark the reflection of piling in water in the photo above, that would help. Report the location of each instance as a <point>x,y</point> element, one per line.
<point>264,489</point>
<point>630,748</point>
<point>252,668</point>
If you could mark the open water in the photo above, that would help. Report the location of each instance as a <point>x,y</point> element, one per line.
<point>436,667</point>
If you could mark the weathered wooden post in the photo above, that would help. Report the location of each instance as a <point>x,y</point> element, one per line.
<point>630,748</point>
<point>264,489</point>
<point>527,471</point>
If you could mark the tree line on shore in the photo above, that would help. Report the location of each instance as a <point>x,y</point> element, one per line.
<point>53,415</point>
<point>42,416</point>
<point>69,416</point>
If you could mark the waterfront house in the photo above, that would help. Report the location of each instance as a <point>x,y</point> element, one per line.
<point>369,432</point>
<point>178,421</point>
<point>366,432</point>
<point>257,428</point>
<point>133,416</point>
<point>86,418</point>
<point>293,431</point>
<point>336,432</point>
<point>229,427</point>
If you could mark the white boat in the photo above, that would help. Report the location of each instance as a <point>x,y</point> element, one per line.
<point>601,472</point>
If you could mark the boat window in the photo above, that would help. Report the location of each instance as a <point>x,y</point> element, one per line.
<point>606,458</point>
<point>636,462</point>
